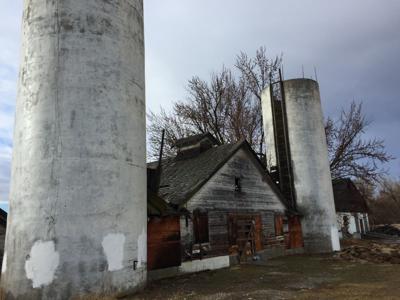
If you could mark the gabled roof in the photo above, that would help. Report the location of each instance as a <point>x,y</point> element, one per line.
<point>157,206</point>
<point>182,178</point>
<point>347,197</point>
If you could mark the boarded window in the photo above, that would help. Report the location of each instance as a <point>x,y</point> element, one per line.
<point>200,227</point>
<point>238,187</point>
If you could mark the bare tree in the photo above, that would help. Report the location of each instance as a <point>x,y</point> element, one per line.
<point>175,128</point>
<point>257,73</point>
<point>385,207</point>
<point>367,189</point>
<point>350,154</point>
<point>228,105</point>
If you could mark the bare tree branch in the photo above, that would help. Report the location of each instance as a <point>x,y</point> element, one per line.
<point>350,155</point>
<point>228,105</point>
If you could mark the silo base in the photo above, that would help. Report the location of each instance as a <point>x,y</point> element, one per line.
<point>317,244</point>
<point>322,243</point>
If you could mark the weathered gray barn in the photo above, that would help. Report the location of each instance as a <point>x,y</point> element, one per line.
<point>233,203</point>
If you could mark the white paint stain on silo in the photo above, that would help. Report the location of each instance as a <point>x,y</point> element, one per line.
<point>42,263</point>
<point>4,265</point>
<point>113,247</point>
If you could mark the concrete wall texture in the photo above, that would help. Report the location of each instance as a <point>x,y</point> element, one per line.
<point>77,218</point>
<point>310,163</point>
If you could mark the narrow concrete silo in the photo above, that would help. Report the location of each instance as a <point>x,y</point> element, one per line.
<point>77,220</point>
<point>296,143</point>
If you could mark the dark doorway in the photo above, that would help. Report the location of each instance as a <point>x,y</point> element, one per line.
<point>200,227</point>
<point>362,230</point>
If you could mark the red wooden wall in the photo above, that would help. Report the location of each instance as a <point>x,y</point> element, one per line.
<point>163,242</point>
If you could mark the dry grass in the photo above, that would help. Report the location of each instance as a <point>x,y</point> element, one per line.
<point>295,277</point>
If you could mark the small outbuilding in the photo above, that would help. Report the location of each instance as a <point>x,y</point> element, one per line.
<point>351,209</point>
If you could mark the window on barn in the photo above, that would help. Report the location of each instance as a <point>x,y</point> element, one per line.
<point>237,184</point>
<point>285,225</point>
<point>200,227</point>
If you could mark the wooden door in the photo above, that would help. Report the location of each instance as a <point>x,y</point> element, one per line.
<point>163,242</point>
<point>245,228</point>
<point>258,233</point>
<point>200,227</point>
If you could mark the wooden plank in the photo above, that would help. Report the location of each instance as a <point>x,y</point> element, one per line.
<point>295,233</point>
<point>258,233</point>
<point>278,225</point>
<point>218,192</point>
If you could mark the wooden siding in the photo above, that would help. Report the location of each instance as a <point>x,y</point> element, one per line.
<point>219,192</point>
<point>200,227</point>
<point>219,198</point>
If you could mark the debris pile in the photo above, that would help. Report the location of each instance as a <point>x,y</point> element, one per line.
<point>387,229</point>
<point>373,252</point>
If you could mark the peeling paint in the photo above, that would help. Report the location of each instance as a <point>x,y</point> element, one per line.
<point>335,239</point>
<point>4,266</point>
<point>113,247</point>
<point>142,248</point>
<point>41,263</point>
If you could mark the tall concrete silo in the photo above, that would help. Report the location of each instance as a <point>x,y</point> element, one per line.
<point>77,220</point>
<point>296,147</point>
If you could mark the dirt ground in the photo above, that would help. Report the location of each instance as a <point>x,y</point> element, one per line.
<point>293,277</point>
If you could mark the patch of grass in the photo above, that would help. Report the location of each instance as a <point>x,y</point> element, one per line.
<point>293,277</point>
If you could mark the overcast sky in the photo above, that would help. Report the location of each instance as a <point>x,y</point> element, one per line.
<point>355,46</point>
